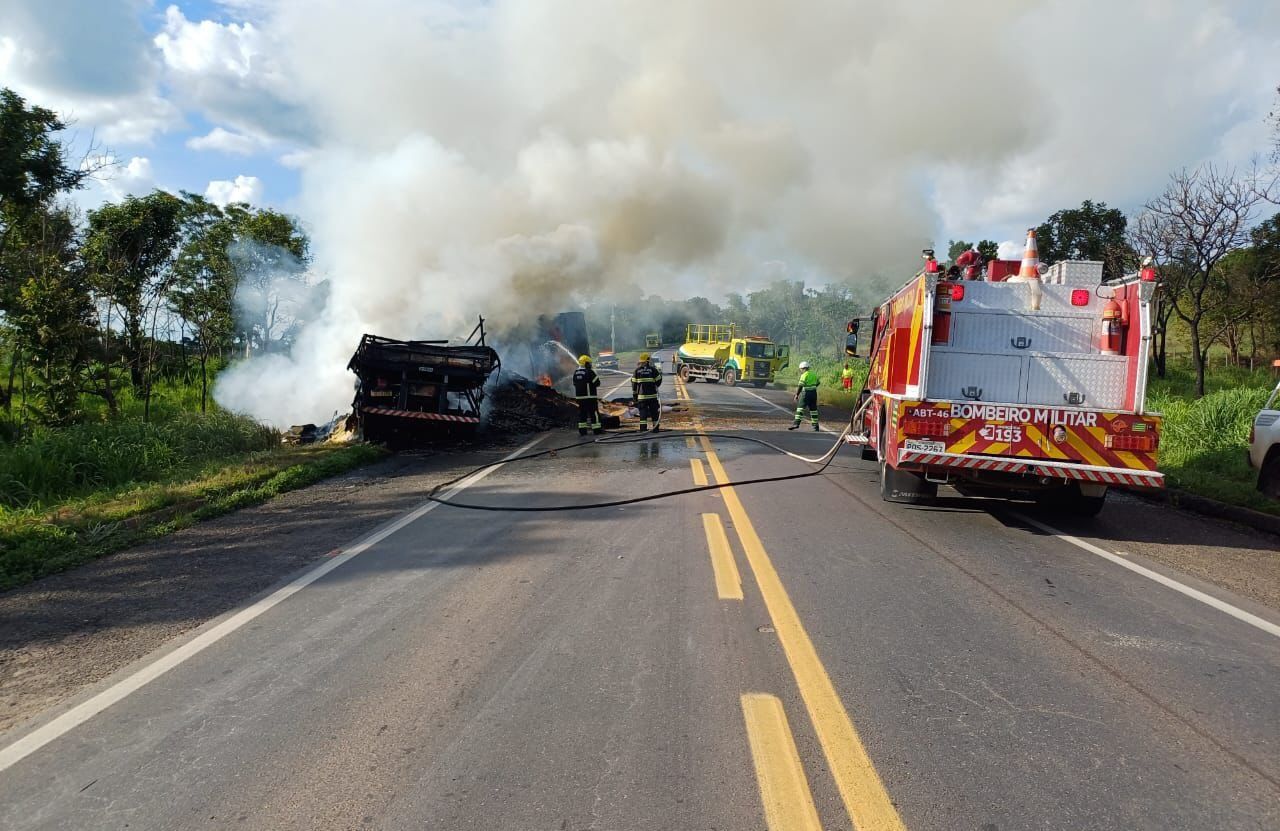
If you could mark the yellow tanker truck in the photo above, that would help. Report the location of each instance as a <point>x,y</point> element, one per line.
<point>714,352</point>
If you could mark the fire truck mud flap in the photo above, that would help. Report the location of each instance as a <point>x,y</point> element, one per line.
<point>904,487</point>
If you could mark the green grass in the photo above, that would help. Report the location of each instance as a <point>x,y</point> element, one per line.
<point>50,465</point>
<point>830,391</point>
<point>53,536</point>
<point>1203,443</point>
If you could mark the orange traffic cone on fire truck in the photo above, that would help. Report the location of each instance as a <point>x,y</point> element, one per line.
<point>1030,271</point>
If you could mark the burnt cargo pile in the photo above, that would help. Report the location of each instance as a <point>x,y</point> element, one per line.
<point>519,405</point>
<point>411,390</point>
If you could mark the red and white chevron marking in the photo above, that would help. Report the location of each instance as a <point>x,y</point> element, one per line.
<point>428,416</point>
<point>1085,473</point>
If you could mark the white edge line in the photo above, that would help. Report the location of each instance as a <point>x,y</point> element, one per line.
<point>89,708</point>
<point>1207,599</point>
<point>778,406</point>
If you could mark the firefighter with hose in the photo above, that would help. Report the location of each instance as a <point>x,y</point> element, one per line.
<point>644,392</point>
<point>586,388</point>
<point>806,397</point>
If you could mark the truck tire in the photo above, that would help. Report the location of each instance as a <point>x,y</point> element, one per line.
<point>901,486</point>
<point>1071,501</point>
<point>683,373</point>
<point>1269,475</point>
<point>730,377</point>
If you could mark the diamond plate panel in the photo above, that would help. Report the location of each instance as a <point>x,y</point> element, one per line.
<point>1098,380</point>
<point>1018,333</point>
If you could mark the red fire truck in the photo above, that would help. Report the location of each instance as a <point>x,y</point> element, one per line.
<point>1033,385</point>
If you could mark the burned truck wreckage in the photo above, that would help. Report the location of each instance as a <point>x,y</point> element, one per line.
<point>410,392</point>
<point>407,390</point>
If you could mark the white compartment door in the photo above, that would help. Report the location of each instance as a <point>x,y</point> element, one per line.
<point>1095,383</point>
<point>960,376</point>
<point>1014,332</point>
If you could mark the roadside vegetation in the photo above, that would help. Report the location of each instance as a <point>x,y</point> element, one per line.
<point>113,326</point>
<point>1204,441</point>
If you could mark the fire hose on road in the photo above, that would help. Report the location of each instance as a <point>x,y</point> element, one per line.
<point>823,462</point>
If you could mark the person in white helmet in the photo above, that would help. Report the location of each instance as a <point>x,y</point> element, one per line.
<point>808,388</point>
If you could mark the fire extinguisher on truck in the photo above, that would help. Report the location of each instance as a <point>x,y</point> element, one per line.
<point>1030,382</point>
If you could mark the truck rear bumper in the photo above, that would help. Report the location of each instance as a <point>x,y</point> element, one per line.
<point>387,411</point>
<point>1036,467</point>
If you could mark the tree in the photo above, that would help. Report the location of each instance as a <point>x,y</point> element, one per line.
<point>33,163</point>
<point>1202,216</point>
<point>1091,232</point>
<point>33,171</point>
<point>52,314</point>
<point>204,283</point>
<point>270,253</point>
<point>130,251</point>
<point>986,248</point>
<point>1274,118</point>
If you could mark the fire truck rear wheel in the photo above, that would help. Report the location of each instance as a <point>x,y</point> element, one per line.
<point>730,377</point>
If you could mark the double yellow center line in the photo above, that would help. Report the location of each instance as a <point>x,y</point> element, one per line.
<point>860,786</point>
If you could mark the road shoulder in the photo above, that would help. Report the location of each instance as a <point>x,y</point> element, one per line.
<point>70,630</point>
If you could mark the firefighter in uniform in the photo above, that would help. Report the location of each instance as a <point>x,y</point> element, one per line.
<point>806,396</point>
<point>586,387</point>
<point>644,392</point>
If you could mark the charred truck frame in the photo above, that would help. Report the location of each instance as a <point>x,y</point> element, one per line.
<point>414,389</point>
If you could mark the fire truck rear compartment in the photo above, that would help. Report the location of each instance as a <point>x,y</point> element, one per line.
<point>998,349</point>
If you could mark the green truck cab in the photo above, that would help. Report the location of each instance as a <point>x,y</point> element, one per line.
<point>714,352</point>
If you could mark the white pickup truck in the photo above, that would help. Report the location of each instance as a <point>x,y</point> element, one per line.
<point>1264,446</point>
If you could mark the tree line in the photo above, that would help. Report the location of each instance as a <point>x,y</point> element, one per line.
<point>97,303</point>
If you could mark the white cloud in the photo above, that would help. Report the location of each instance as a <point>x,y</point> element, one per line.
<point>1126,93</point>
<point>226,141</point>
<point>243,189</point>
<point>90,62</point>
<point>296,159</point>
<point>229,72</point>
<point>115,179</point>
<point>206,47</point>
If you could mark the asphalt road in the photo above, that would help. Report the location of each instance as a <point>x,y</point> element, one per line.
<point>791,655</point>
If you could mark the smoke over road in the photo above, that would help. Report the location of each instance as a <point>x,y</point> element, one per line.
<point>511,157</point>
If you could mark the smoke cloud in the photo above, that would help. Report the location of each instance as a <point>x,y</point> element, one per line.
<point>515,159</point>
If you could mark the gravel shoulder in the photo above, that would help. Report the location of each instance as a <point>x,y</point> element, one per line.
<point>70,630</point>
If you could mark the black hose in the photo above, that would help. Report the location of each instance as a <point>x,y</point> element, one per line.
<point>616,503</point>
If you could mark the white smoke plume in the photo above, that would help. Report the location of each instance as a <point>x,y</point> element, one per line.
<point>514,158</point>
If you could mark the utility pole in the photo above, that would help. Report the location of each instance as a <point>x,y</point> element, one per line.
<point>613,332</point>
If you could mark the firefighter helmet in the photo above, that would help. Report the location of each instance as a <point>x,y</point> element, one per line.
<point>804,364</point>
<point>583,360</point>
<point>644,357</point>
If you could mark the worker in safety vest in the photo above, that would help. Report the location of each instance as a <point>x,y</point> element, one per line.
<point>808,388</point>
<point>586,388</point>
<point>846,376</point>
<point>644,392</point>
